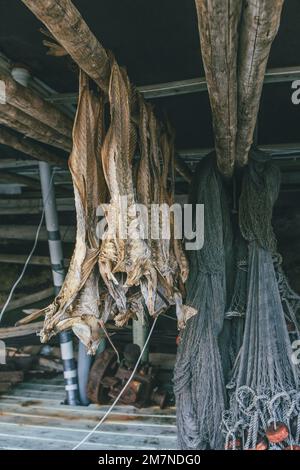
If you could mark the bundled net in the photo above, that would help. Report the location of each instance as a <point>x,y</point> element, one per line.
<point>264,396</point>
<point>199,379</point>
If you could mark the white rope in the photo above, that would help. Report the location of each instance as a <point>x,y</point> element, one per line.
<point>121,392</point>
<point>30,254</point>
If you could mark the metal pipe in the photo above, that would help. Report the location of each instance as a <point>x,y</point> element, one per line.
<point>140,333</point>
<point>83,369</point>
<point>58,272</point>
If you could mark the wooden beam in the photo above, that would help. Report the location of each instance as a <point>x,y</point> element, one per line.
<point>184,87</point>
<point>29,147</point>
<point>32,104</point>
<point>68,27</point>
<point>66,24</point>
<point>259,26</point>
<point>31,127</point>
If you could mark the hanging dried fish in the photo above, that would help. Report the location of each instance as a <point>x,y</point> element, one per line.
<point>260,23</point>
<point>123,249</point>
<point>76,305</point>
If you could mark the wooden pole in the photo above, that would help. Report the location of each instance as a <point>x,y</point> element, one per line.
<point>68,27</point>
<point>29,147</point>
<point>31,103</point>
<point>31,127</point>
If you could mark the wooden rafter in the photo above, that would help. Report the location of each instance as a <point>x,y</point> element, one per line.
<point>18,120</point>
<point>32,104</point>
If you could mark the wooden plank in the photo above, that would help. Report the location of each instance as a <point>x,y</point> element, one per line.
<point>74,435</point>
<point>52,407</point>
<point>85,426</point>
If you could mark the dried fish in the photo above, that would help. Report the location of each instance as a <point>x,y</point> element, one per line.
<point>71,305</point>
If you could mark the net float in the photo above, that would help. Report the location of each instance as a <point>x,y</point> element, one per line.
<point>262,444</point>
<point>234,444</point>
<point>277,433</point>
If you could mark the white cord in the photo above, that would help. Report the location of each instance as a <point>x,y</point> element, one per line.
<point>30,254</point>
<point>121,392</point>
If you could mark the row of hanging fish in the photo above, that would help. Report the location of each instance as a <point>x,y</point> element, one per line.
<point>117,276</point>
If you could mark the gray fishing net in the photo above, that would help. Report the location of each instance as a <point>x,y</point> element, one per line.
<point>264,396</point>
<point>199,379</point>
<point>251,337</point>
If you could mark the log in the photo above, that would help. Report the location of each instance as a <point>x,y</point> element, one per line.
<point>218,28</point>
<point>67,26</point>
<point>19,331</point>
<point>31,103</point>
<point>18,120</point>
<point>65,23</point>
<point>29,147</point>
<point>259,26</point>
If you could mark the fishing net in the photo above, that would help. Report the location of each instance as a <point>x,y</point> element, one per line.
<point>237,309</point>
<point>198,378</point>
<point>264,397</point>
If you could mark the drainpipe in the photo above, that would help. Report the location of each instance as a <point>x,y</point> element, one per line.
<point>22,76</point>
